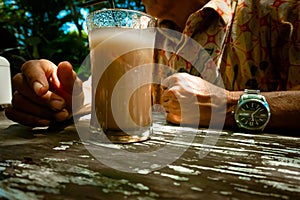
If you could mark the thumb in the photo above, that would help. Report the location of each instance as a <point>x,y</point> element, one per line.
<point>66,76</point>
<point>69,84</point>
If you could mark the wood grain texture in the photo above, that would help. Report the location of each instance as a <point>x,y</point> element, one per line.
<point>56,164</point>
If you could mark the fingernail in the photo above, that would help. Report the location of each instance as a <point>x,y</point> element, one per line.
<point>62,115</point>
<point>37,86</point>
<point>57,104</point>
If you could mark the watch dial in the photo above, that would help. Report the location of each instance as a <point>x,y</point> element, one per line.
<point>252,115</point>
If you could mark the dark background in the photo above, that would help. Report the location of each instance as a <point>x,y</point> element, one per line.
<point>35,29</point>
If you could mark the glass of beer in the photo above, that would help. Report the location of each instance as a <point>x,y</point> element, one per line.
<point>121,45</point>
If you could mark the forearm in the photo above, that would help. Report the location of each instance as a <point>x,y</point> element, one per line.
<point>284,107</point>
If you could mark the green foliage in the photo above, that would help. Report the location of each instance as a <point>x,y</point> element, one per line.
<point>38,26</point>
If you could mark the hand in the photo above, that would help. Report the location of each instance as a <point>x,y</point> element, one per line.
<point>191,100</point>
<point>43,93</point>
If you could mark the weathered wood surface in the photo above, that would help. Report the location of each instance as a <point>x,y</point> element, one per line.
<point>55,164</point>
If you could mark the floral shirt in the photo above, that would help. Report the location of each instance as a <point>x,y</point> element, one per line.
<point>252,44</point>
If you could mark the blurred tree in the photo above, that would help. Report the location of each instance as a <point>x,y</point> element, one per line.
<point>41,27</point>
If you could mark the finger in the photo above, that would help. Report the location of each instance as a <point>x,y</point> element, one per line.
<point>66,76</point>
<point>62,115</point>
<point>25,118</point>
<point>173,118</point>
<point>25,106</point>
<point>69,84</point>
<point>169,94</point>
<point>172,107</point>
<point>50,99</point>
<point>22,104</point>
<point>37,73</point>
<point>169,100</point>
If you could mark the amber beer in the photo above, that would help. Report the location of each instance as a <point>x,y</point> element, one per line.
<point>121,113</point>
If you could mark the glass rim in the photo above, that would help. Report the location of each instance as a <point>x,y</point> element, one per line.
<point>119,9</point>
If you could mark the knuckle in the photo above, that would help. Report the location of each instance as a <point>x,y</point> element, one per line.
<point>27,65</point>
<point>28,68</point>
<point>17,79</point>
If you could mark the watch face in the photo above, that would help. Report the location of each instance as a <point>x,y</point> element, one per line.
<point>252,115</point>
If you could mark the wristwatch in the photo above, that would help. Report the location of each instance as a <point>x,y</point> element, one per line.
<point>252,111</point>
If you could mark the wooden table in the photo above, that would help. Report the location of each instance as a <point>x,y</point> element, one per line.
<point>58,164</point>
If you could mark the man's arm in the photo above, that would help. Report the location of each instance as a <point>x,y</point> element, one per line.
<point>184,95</point>
<point>284,107</point>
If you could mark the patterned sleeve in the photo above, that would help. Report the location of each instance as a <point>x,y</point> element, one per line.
<point>286,16</point>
